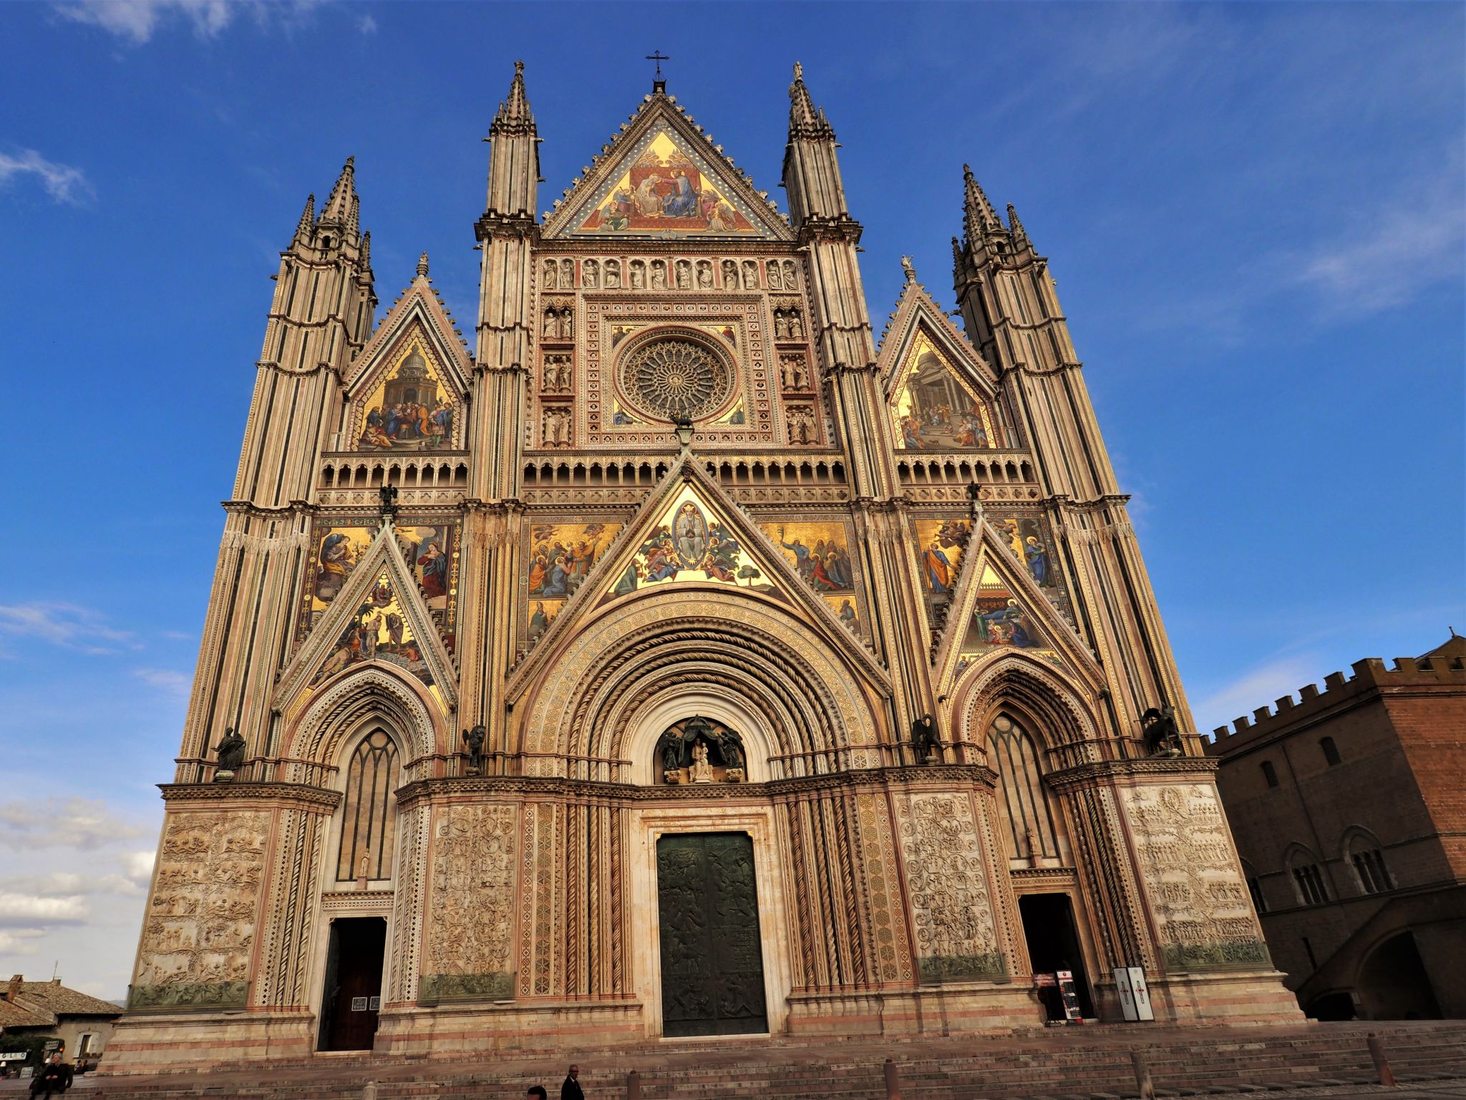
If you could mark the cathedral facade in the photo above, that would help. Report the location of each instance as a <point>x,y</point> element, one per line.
<point>681,659</point>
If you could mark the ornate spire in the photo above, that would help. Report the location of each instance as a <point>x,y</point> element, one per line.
<point>979,217</point>
<point>343,207</point>
<point>365,263</point>
<point>956,260</point>
<point>805,119</point>
<point>422,266</point>
<point>307,220</point>
<point>1015,227</point>
<point>514,113</point>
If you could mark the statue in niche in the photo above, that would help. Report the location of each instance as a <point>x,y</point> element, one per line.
<point>700,751</point>
<point>704,275</point>
<point>590,274</point>
<point>659,275</point>
<point>775,282</point>
<point>550,279</point>
<point>684,275</point>
<point>790,281</point>
<point>750,275</point>
<point>231,756</point>
<point>613,274</point>
<point>730,275</point>
<point>801,425</point>
<point>924,739</point>
<point>1162,735</point>
<point>474,739</point>
<point>638,275</point>
<point>567,274</point>
<point>796,325</point>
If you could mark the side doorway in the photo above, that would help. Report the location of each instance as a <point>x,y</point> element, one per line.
<point>1053,945</point>
<point>352,998</point>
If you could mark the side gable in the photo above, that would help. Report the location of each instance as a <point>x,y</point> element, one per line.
<point>940,392</point>
<point>416,366</point>
<point>662,176</point>
<point>378,616</point>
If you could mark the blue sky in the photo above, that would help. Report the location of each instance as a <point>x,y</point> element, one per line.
<point>1255,214</point>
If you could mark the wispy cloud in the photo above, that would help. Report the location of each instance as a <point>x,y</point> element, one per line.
<point>167,680</point>
<point>64,624</point>
<point>1260,684</point>
<point>367,24</point>
<point>61,181</point>
<point>26,910</point>
<point>20,941</point>
<point>1392,252</point>
<point>137,21</point>
<point>70,823</point>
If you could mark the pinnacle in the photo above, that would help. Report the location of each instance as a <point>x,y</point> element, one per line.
<point>307,219</point>
<point>422,266</point>
<point>515,110</point>
<point>1015,226</point>
<point>979,217</point>
<point>365,263</point>
<point>343,206</point>
<point>805,120</point>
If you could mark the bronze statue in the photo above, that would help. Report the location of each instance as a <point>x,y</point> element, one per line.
<point>1162,736</point>
<point>388,495</point>
<point>671,749</point>
<point>730,750</point>
<point>231,755</point>
<point>924,738</point>
<point>474,738</point>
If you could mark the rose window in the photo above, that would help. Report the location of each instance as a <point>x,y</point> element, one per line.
<point>676,379</point>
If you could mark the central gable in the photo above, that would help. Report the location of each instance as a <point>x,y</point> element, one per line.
<point>662,177</point>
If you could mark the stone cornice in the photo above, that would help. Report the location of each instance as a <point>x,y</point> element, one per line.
<point>1107,771</point>
<point>561,787</point>
<point>493,224</point>
<point>298,795</point>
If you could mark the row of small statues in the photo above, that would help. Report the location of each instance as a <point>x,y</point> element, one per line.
<point>595,274</point>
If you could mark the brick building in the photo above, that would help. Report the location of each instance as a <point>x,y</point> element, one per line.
<point>1349,810</point>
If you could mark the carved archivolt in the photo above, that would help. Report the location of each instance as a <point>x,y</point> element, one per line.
<point>1198,899</point>
<point>1052,704</point>
<point>951,907</point>
<point>371,695</point>
<point>691,637</point>
<point>200,926</point>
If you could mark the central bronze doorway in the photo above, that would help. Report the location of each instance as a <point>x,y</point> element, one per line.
<point>712,958</point>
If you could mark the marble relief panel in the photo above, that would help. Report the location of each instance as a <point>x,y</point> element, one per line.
<point>1200,903</point>
<point>199,928</point>
<point>469,949</point>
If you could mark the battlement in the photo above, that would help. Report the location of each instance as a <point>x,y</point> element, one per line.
<point>1441,667</point>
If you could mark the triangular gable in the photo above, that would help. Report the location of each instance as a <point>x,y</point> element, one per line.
<point>939,391</point>
<point>405,389</point>
<point>997,608</point>
<point>692,533</point>
<point>378,617</point>
<point>662,176</point>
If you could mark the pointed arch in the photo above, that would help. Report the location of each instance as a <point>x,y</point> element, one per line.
<point>371,774</point>
<point>1046,703</point>
<point>1023,799</point>
<point>812,709</point>
<point>346,708</point>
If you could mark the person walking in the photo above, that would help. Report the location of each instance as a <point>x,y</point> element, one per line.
<point>571,1089</point>
<point>537,1091</point>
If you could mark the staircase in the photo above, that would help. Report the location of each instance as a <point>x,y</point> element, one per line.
<point>1093,1063</point>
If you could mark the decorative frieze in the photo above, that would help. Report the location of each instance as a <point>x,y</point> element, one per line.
<point>470,905</point>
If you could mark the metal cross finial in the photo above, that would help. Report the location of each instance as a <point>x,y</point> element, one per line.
<point>658,56</point>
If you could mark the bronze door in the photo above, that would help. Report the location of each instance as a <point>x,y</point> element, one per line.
<point>712,961</point>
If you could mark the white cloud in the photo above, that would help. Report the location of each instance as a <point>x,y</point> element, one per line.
<point>20,941</point>
<point>167,680</point>
<point>367,24</point>
<point>1283,675</point>
<point>65,625</point>
<point>61,181</point>
<point>73,823</point>
<point>28,909</point>
<point>137,20</point>
<point>1394,250</point>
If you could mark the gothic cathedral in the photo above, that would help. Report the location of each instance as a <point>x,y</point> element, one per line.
<point>680,660</point>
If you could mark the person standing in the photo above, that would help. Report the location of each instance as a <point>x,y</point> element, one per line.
<point>537,1091</point>
<point>571,1089</point>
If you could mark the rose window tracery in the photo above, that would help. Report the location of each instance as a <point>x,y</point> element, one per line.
<point>676,378</point>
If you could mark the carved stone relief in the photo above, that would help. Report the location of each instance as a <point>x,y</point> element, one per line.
<point>951,907</point>
<point>471,906</point>
<point>1198,898</point>
<point>200,925</point>
<point>893,950</point>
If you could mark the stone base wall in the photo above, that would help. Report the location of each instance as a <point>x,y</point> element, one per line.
<point>932,1011</point>
<point>170,1043</point>
<point>478,1029</point>
<point>1251,997</point>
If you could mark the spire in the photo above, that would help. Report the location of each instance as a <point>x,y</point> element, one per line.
<point>957,258</point>
<point>422,266</point>
<point>307,221</point>
<point>805,119</point>
<point>343,207</point>
<point>1015,227</point>
<point>979,217</point>
<point>365,262</point>
<point>514,113</point>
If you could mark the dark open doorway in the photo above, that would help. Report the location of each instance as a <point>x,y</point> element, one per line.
<point>1053,945</point>
<point>1394,983</point>
<point>353,990</point>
